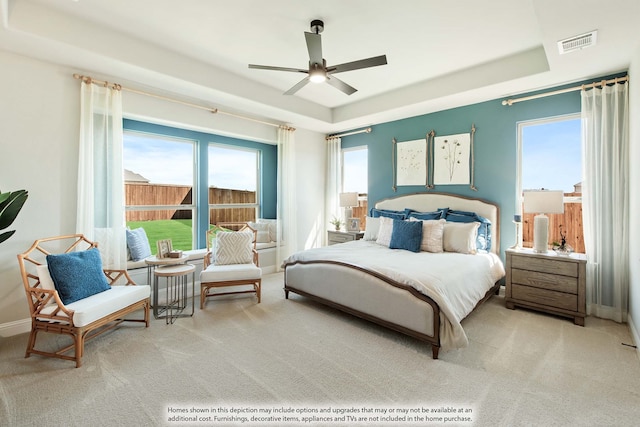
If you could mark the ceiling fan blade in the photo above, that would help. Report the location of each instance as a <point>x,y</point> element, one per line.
<point>302,83</point>
<point>340,85</point>
<point>314,46</point>
<point>356,65</point>
<point>269,67</point>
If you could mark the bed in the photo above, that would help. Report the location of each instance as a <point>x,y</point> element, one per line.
<point>422,294</point>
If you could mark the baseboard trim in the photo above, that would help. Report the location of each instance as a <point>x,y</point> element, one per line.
<point>16,327</point>
<point>634,335</point>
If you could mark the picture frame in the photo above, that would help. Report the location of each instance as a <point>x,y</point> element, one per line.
<point>353,224</point>
<point>164,247</point>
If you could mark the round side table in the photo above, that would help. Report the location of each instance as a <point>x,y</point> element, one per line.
<point>177,277</point>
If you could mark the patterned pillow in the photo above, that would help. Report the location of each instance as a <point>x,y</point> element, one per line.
<point>385,231</point>
<point>432,234</point>
<point>234,247</point>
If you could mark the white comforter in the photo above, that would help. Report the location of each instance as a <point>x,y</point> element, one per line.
<point>456,282</point>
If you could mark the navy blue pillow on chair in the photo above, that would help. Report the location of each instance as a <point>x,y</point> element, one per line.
<point>77,275</point>
<point>406,235</point>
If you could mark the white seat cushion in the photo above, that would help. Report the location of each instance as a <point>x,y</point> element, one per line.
<point>90,309</point>
<point>225,273</point>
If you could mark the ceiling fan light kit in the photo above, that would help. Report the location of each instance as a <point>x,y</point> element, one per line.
<point>318,71</point>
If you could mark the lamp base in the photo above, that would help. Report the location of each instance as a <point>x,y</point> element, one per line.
<point>541,234</point>
<point>348,213</point>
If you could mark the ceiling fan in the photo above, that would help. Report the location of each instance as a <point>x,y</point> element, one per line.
<point>318,71</point>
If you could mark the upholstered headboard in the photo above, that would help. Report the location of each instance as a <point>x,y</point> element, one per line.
<point>429,202</point>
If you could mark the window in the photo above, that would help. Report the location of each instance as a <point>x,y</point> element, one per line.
<point>181,181</point>
<point>159,176</point>
<point>551,158</point>
<point>233,184</point>
<point>355,178</point>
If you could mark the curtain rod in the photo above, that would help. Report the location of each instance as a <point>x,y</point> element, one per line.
<point>355,132</point>
<point>90,80</point>
<point>570,89</point>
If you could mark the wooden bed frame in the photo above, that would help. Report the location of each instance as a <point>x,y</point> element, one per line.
<point>423,202</point>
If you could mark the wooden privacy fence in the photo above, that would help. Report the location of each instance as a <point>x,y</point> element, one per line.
<point>142,194</point>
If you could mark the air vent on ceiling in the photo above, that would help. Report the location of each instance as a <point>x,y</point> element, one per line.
<point>577,42</point>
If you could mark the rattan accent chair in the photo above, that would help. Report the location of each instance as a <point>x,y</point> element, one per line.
<point>82,319</point>
<point>216,275</point>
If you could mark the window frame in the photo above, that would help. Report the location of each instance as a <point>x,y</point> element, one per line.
<point>194,182</point>
<point>257,204</point>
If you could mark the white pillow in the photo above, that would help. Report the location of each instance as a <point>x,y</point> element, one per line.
<point>385,231</point>
<point>372,227</point>
<point>263,231</point>
<point>273,228</point>
<point>460,237</point>
<point>234,247</point>
<point>432,235</point>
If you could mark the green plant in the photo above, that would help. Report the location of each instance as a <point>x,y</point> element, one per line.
<point>337,222</point>
<point>10,205</point>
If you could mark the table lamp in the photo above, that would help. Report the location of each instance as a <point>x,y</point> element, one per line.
<point>542,202</point>
<point>347,201</point>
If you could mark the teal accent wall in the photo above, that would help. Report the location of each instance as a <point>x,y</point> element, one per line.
<point>495,144</point>
<point>268,166</point>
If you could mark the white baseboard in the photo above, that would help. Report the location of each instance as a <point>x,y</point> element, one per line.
<point>16,327</point>
<point>634,335</point>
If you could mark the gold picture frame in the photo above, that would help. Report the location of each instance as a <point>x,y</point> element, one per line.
<point>164,247</point>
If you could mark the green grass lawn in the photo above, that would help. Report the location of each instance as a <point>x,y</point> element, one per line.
<point>178,230</point>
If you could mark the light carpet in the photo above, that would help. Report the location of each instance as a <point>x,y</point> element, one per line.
<point>521,368</point>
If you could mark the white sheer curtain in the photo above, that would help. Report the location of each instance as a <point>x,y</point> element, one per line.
<point>100,212</point>
<point>605,195</point>
<point>286,198</point>
<point>333,185</point>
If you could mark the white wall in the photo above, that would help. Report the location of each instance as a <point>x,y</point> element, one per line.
<point>634,185</point>
<point>39,108</point>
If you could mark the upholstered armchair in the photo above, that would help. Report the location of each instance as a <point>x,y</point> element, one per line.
<point>69,293</point>
<point>231,262</point>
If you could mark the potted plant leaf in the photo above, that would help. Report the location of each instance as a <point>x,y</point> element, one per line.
<point>10,205</point>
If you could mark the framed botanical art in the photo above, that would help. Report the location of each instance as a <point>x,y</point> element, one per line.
<point>451,154</point>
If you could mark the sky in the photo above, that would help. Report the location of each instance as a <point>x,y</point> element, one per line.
<point>355,171</point>
<point>551,155</point>
<point>164,160</point>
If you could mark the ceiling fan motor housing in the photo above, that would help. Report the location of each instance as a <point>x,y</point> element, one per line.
<point>317,26</point>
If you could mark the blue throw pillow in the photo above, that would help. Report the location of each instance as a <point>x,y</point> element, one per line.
<point>424,216</point>
<point>483,242</point>
<point>376,213</point>
<point>138,244</point>
<point>77,275</point>
<point>406,235</point>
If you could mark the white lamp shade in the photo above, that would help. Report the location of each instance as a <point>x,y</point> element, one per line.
<point>544,201</point>
<point>348,200</point>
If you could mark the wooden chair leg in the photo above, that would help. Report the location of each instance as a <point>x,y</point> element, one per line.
<point>79,338</point>
<point>32,342</point>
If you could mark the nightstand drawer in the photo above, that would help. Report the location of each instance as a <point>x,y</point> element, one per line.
<point>545,280</point>
<point>546,297</point>
<point>340,238</point>
<point>545,265</point>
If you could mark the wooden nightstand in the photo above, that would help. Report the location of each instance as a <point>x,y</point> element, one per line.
<point>335,237</point>
<point>547,282</point>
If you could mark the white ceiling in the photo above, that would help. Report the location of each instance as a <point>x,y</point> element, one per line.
<point>440,54</point>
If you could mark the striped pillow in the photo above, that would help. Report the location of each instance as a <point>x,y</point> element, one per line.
<point>234,247</point>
